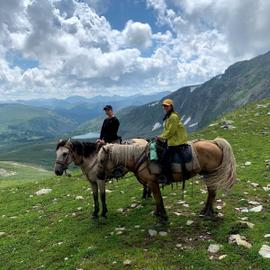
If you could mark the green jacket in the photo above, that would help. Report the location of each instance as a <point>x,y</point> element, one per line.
<point>174,130</point>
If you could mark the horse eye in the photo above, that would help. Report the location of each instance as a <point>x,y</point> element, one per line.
<point>64,154</point>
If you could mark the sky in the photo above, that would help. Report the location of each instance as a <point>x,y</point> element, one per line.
<point>59,48</point>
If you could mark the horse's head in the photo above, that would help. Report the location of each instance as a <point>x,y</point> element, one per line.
<point>68,151</point>
<point>105,165</point>
<point>64,156</point>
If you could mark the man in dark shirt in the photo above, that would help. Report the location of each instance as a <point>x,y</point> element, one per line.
<point>108,133</point>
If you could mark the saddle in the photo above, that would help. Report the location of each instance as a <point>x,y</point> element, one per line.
<point>183,161</point>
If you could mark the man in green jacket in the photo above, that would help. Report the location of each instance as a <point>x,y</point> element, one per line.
<point>176,137</point>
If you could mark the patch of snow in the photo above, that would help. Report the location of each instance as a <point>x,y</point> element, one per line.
<point>187,120</point>
<point>192,88</point>
<point>193,125</point>
<point>153,104</point>
<point>156,126</point>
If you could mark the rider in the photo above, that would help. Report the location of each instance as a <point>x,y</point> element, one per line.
<point>108,133</point>
<point>175,135</point>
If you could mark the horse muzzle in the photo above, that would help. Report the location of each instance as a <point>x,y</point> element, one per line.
<point>58,172</point>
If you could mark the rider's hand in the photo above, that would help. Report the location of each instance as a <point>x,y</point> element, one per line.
<point>158,138</point>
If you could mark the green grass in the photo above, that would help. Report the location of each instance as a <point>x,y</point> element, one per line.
<point>54,231</point>
<point>18,173</point>
<point>40,152</point>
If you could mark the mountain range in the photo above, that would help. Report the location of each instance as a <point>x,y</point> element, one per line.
<point>198,105</point>
<point>28,120</point>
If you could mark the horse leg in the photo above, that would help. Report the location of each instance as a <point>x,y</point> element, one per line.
<point>160,210</point>
<point>208,210</point>
<point>95,197</point>
<point>149,192</point>
<point>146,192</point>
<point>102,190</point>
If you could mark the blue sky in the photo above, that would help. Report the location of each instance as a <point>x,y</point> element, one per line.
<point>58,48</point>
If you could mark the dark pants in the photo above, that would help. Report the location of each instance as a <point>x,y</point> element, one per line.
<point>167,159</point>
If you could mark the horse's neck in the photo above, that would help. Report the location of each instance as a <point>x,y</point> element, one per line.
<point>88,163</point>
<point>126,155</point>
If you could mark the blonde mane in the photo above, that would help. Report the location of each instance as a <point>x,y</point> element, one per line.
<point>122,154</point>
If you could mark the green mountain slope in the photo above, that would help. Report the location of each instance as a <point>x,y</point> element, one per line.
<point>242,83</point>
<point>25,123</point>
<point>53,231</point>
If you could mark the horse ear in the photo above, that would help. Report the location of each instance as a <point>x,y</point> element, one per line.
<point>98,146</point>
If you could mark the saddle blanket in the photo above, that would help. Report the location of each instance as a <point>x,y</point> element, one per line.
<point>188,157</point>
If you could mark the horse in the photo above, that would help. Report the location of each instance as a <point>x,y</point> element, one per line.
<point>216,162</point>
<point>84,155</point>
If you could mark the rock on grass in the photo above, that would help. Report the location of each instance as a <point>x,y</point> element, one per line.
<point>152,232</point>
<point>265,251</point>
<point>43,191</point>
<point>214,248</point>
<point>239,240</point>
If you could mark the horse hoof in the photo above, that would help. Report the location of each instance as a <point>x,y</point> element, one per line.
<point>208,215</point>
<point>94,217</point>
<point>162,221</point>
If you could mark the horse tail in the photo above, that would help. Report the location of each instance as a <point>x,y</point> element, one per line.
<point>224,176</point>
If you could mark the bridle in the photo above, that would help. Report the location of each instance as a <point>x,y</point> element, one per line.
<point>65,162</point>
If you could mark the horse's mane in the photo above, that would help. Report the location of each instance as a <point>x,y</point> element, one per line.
<point>85,149</point>
<point>124,153</point>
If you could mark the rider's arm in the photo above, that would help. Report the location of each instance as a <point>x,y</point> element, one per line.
<point>101,137</point>
<point>170,128</point>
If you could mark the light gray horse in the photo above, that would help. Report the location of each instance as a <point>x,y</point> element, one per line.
<point>84,155</point>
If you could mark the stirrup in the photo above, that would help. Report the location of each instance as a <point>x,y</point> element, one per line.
<point>162,179</point>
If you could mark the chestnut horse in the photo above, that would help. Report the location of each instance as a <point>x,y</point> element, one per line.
<point>215,158</point>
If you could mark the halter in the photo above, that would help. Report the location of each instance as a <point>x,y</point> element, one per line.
<point>64,163</point>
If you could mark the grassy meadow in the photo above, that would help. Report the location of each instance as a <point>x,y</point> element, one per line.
<point>55,231</point>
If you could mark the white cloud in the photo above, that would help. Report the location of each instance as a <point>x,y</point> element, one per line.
<point>138,35</point>
<point>78,51</point>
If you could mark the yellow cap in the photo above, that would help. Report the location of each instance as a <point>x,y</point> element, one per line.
<point>167,102</point>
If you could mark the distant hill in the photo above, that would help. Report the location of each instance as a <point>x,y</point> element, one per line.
<point>27,120</point>
<point>25,123</point>
<point>241,83</point>
<point>81,109</point>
